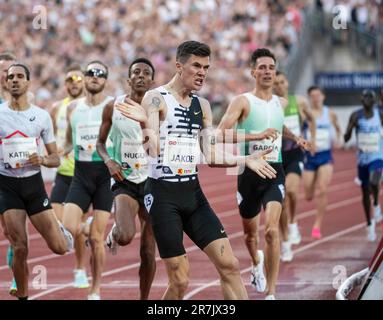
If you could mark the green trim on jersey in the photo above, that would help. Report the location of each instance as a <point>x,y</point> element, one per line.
<point>88,120</point>
<point>127,150</point>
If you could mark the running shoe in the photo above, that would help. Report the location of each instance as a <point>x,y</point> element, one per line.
<point>294,234</point>
<point>68,237</point>
<point>94,296</point>
<point>13,288</point>
<point>80,279</point>
<point>286,252</point>
<point>315,233</point>
<point>257,275</point>
<point>371,234</point>
<point>378,214</point>
<point>110,242</point>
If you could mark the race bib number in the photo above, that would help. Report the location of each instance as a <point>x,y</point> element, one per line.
<point>86,139</point>
<point>181,154</point>
<point>133,155</point>
<point>16,151</point>
<point>266,144</point>
<point>292,123</point>
<point>323,139</point>
<point>369,142</point>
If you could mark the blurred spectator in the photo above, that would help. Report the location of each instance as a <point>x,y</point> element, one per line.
<point>116,32</point>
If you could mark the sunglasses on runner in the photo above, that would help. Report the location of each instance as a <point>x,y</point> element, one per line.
<point>74,78</point>
<point>98,73</point>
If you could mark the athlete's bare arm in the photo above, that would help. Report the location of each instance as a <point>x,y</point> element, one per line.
<point>350,126</point>
<point>114,168</point>
<point>68,138</point>
<point>51,160</point>
<point>237,110</point>
<point>335,122</point>
<point>104,131</point>
<point>148,114</point>
<point>53,113</point>
<point>306,115</point>
<point>216,157</point>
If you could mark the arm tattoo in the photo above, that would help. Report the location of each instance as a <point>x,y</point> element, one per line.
<point>212,141</point>
<point>156,102</point>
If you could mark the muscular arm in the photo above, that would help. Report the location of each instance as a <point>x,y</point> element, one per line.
<point>235,111</point>
<point>335,122</point>
<point>53,113</point>
<point>114,168</point>
<point>306,115</point>
<point>68,141</point>
<point>148,114</point>
<point>154,106</point>
<point>217,157</point>
<point>350,126</point>
<point>52,160</point>
<point>104,131</point>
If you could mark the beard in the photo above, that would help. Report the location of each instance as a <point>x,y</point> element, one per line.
<point>94,90</point>
<point>75,93</point>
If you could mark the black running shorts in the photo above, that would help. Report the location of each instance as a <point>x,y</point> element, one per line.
<point>60,188</point>
<point>175,207</point>
<point>134,190</point>
<point>293,161</point>
<point>23,193</point>
<point>254,191</point>
<point>91,185</point>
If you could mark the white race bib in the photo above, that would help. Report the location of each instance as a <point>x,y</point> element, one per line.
<point>322,139</point>
<point>16,151</point>
<point>292,123</point>
<point>86,139</point>
<point>262,145</point>
<point>181,154</point>
<point>133,154</point>
<point>369,142</point>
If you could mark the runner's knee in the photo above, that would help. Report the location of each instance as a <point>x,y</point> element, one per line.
<point>251,237</point>
<point>20,250</point>
<point>96,241</point>
<point>272,235</point>
<point>229,267</point>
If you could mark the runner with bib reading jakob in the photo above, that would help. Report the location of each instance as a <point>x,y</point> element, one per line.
<point>173,118</point>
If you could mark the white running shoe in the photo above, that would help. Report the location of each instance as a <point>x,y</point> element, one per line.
<point>378,214</point>
<point>110,242</point>
<point>270,297</point>
<point>286,252</point>
<point>80,279</point>
<point>257,275</point>
<point>68,237</point>
<point>371,235</point>
<point>294,234</point>
<point>94,296</point>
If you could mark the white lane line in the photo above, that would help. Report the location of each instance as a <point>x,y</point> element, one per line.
<point>194,248</point>
<point>299,250</point>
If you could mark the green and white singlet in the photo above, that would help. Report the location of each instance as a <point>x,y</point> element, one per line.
<point>86,121</point>
<point>263,115</point>
<point>127,150</point>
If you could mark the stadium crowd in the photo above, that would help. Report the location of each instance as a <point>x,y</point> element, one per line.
<point>116,32</point>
